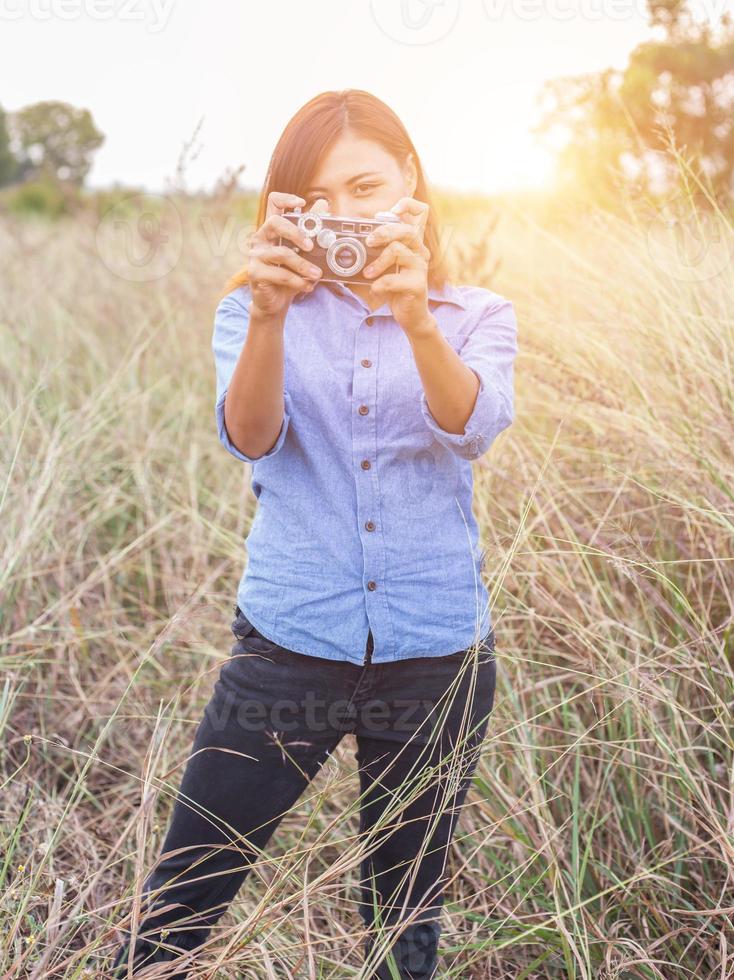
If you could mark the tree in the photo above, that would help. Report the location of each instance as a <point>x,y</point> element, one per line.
<point>584,118</point>
<point>56,140</point>
<point>8,163</point>
<point>677,88</point>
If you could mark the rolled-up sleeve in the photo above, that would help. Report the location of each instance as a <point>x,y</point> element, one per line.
<point>489,351</point>
<point>230,332</point>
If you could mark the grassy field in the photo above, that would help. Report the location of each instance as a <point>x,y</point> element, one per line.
<point>598,840</point>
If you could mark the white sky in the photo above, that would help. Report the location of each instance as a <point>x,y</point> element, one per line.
<point>464,82</point>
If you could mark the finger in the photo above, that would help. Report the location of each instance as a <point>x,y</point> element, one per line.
<point>409,234</point>
<point>283,255</point>
<point>396,252</point>
<point>420,251</point>
<point>409,205</point>
<point>276,227</point>
<point>262,273</point>
<point>395,283</point>
<point>412,211</point>
<point>278,202</point>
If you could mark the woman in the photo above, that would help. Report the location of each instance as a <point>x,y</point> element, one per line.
<point>360,408</point>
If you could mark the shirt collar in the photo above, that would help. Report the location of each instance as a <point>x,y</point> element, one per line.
<point>447,294</point>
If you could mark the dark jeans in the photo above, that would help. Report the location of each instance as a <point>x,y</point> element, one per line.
<point>273,719</point>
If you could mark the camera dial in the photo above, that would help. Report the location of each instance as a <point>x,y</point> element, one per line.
<point>325,237</point>
<point>310,224</point>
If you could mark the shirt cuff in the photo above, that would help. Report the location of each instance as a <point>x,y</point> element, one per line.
<point>488,418</point>
<point>231,448</point>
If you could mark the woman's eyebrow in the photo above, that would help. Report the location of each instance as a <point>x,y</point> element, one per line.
<point>352,180</point>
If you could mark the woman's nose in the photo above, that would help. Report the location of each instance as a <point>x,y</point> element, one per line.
<point>342,205</point>
<point>351,208</point>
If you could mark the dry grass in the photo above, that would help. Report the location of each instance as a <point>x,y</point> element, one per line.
<point>599,837</point>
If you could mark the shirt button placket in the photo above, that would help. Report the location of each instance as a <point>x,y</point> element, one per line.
<point>364,388</point>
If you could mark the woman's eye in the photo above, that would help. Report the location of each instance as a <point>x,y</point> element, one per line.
<point>363,190</point>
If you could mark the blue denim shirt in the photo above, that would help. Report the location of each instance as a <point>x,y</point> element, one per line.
<point>364,503</point>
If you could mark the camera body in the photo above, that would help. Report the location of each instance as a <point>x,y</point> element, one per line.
<point>339,247</point>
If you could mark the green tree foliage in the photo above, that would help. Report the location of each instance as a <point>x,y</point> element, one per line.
<point>56,140</point>
<point>676,91</point>
<point>8,163</point>
<point>45,198</point>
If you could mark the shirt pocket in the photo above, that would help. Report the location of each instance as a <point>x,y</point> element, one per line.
<point>399,392</point>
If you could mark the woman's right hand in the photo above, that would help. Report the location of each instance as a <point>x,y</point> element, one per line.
<point>277,272</point>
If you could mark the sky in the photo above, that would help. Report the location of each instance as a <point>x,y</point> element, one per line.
<point>463,75</point>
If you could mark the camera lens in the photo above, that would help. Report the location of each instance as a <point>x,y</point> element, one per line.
<point>346,256</point>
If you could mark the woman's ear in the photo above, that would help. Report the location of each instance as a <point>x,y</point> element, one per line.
<point>410,173</point>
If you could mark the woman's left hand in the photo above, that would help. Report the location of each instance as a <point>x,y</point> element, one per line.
<point>405,291</point>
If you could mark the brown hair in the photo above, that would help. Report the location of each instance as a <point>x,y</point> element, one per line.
<point>312,131</point>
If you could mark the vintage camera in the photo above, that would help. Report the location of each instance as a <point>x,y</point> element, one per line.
<point>339,247</point>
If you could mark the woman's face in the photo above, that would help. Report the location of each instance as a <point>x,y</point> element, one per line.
<point>358,177</point>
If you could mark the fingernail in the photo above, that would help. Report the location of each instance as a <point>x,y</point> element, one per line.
<point>370,239</point>
<point>307,243</point>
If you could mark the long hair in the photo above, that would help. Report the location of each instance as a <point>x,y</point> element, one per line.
<point>309,135</point>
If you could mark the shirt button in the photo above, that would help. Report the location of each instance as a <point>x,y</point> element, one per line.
<point>366,362</point>
<point>365,464</point>
<point>369,321</point>
<point>370,525</point>
<point>372,586</point>
<point>363,409</point>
